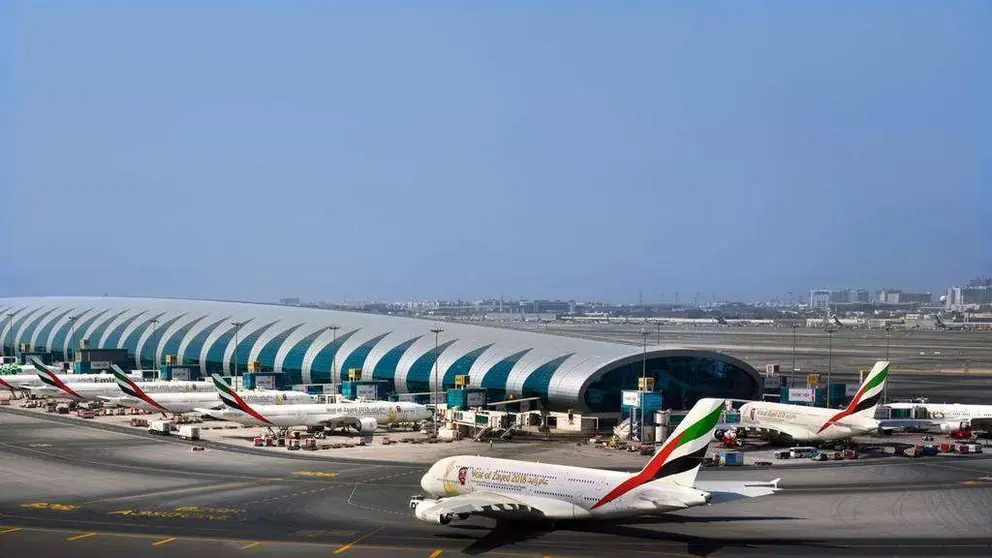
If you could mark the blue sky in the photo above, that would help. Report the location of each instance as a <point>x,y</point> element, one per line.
<point>253,150</point>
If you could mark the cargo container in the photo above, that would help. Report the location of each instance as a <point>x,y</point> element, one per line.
<point>189,432</point>
<point>732,418</point>
<point>160,427</point>
<point>930,450</point>
<point>944,447</point>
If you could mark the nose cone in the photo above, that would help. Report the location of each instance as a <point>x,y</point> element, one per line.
<point>427,481</point>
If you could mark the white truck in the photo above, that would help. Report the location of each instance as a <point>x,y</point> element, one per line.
<point>160,427</point>
<point>189,432</point>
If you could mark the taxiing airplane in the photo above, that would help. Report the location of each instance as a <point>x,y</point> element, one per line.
<point>361,415</point>
<point>185,401</point>
<point>467,485</point>
<point>814,424</point>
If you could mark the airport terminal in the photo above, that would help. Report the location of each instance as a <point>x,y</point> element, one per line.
<point>285,346</point>
<point>170,458</point>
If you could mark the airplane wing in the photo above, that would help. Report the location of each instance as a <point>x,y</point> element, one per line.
<point>486,504</point>
<point>728,491</point>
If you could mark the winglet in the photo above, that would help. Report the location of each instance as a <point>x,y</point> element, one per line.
<point>679,459</point>
<point>129,387</point>
<point>868,396</point>
<point>233,400</point>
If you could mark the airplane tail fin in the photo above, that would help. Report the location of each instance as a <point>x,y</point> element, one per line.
<point>50,379</point>
<point>233,400</point>
<point>129,387</point>
<point>868,396</point>
<point>679,458</point>
<point>870,392</point>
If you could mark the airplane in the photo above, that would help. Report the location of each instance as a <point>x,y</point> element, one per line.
<point>951,417</point>
<point>465,485</point>
<point>66,388</point>
<point>941,324</point>
<point>814,424</point>
<point>22,382</point>
<point>363,416</point>
<point>185,401</point>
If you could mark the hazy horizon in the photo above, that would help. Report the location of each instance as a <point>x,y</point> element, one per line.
<point>350,151</point>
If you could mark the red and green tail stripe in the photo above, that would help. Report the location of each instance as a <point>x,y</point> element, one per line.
<point>233,400</point>
<point>659,467</point>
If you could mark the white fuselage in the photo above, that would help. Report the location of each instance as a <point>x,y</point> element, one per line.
<point>92,391</point>
<point>185,402</point>
<point>563,492</point>
<point>331,414</point>
<point>24,381</point>
<point>802,423</point>
<point>949,411</point>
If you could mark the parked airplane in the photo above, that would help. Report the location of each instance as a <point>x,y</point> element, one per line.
<point>184,401</point>
<point>941,324</point>
<point>22,382</point>
<point>363,416</point>
<point>809,424</point>
<point>65,387</point>
<point>951,417</point>
<point>467,485</point>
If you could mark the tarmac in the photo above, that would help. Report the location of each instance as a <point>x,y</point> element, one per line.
<point>71,487</point>
<point>951,366</point>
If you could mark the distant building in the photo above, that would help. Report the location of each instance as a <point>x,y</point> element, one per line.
<point>958,299</point>
<point>897,296</point>
<point>289,301</point>
<point>819,298</point>
<point>822,298</point>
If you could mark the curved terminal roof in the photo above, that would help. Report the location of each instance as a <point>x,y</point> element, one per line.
<point>304,343</point>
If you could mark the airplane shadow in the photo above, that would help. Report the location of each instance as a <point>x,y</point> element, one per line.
<point>512,532</point>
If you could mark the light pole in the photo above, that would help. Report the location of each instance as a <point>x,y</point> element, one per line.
<point>334,361</point>
<point>237,330</point>
<point>437,331</point>
<point>885,389</point>
<point>10,328</point>
<point>830,362</point>
<point>657,326</point>
<point>154,341</point>
<point>72,335</point>
<point>793,373</point>
<point>644,382</point>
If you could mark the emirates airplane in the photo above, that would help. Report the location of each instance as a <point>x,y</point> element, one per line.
<point>66,388</point>
<point>187,400</point>
<point>23,382</point>
<point>467,485</point>
<point>814,424</point>
<point>363,416</point>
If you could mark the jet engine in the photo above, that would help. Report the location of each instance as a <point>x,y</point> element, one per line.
<point>430,514</point>
<point>366,426</point>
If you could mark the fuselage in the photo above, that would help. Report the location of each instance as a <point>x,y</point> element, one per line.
<point>92,391</point>
<point>185,402</point>
<point>24,381</point>
<point>319,414</point>
<point>563,492</point>
<point>805,424</point>
<point>948,410</point>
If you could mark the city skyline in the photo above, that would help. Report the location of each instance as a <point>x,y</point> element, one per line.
<point>371,152</point>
